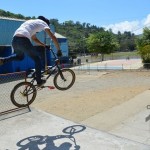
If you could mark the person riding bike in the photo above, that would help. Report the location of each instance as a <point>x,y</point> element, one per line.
<point>21,43</point>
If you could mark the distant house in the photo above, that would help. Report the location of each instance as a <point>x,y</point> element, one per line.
<point>7,29</point>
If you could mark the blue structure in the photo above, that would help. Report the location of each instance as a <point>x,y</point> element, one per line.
<point>7,28</point>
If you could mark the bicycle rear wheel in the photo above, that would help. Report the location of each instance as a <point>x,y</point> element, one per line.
<point>67,82</point>
<point>23,94</point>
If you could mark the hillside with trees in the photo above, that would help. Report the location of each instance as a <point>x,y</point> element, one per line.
<point>81,35</point>
<point>78,34</point>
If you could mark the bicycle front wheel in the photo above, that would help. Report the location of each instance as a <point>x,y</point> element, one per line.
<point>23,94</point>
<point>65,79</point>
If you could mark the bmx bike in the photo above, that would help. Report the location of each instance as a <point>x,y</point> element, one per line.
<point>24,93</point>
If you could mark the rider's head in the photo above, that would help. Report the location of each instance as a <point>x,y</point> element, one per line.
<point>44,19</point>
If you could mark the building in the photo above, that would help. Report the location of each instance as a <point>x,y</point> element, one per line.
<point>7,29</point>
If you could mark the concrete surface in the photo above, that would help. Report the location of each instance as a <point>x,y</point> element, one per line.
<point>37,130</point>
<point>135,128</point>
<point>124,118</point>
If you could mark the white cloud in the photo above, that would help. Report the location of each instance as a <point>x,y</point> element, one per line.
<point>147,21</point>
<point>135,27</point>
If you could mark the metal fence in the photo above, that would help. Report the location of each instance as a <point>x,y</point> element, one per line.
<point>7,82</point>
<point>116,65</point>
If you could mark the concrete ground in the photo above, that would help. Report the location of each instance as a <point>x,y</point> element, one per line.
<point>37,130</point>
<point>124,126</point>
<point>122,121</point>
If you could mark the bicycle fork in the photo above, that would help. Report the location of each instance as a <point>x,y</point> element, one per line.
<point>59,70</point>
<point>61,74</point>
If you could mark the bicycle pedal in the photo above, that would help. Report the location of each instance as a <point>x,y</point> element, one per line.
<point>51,87</point>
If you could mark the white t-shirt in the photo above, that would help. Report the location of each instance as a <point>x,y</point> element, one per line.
<point>31,27</point>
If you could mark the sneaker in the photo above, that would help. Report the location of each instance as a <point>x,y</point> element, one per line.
<point>41,83</point>
<point>1,61</point>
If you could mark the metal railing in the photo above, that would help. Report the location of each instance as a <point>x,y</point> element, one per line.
<point>108,66</point>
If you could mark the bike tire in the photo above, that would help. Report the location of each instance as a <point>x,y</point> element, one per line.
<point>74,129</point>
<point>20,98</point>
<point>69,76</point>
<point>35,139</point>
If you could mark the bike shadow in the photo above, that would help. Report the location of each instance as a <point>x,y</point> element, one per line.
<point>66,141</point>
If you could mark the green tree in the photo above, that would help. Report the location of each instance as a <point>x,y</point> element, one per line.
<point>102,42</point>
<point>143,45</point>
<point>126,41</point>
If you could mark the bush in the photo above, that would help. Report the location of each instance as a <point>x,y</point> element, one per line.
<point>145,55</point>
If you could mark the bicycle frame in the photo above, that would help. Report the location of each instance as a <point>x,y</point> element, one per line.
<point>53,68</point>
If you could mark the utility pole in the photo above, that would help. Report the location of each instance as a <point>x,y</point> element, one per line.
<point>45,51</point>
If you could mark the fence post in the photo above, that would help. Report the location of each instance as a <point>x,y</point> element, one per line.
<point>105,66</point>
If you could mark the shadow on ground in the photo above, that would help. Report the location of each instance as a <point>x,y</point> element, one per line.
<point>64,141</point>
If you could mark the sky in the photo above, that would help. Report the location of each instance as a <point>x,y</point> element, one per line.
<point>118,15</point>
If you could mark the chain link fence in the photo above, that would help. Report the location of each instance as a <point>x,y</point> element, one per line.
<point>7,82</point>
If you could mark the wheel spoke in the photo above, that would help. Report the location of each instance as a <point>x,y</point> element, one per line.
<point>23,94</point>
<point>67,81</point>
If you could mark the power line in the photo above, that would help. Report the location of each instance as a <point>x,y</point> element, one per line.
<point>141,27</point>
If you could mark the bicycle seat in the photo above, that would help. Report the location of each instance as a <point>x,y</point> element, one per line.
<point>52,69</point>
<point>31,73</point>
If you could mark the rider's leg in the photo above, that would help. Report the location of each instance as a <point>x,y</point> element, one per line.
<point>37,61</point>
<point>38,66</point>
<point>18,55</point>
<point>10,58</point>
<point>26,46</point>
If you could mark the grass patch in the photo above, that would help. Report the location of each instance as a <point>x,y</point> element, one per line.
<point>122,55</point>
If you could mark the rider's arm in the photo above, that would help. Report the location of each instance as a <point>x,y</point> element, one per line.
<point>36,40</point>
<point>53,37</point>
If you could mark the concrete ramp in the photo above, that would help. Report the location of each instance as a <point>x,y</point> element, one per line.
<point>37,130</point>
<point>129,119</point>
